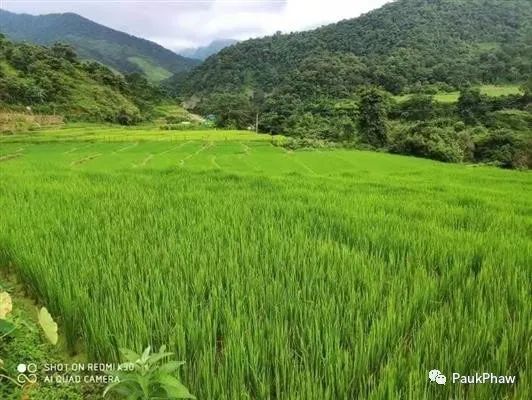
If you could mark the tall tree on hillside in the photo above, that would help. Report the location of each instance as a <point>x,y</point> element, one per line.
<point>373,116</point>
<point>419,107</point>
<point>62,50</point>
<point>231,110</point>
<point>472,106</point>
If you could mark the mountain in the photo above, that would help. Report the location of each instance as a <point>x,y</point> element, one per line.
<point>115,49</point>
<point>54,81</point>
<point>202,53</point>
<point>403,45</point>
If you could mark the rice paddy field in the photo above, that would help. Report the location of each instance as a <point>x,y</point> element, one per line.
<point>488,90</point>
<point>336,274</point>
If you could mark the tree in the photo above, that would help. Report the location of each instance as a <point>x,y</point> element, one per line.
<point>504,148</point>
<point>231,110</point>
<point>472,106</point>
<point>278,110</point>
<point>418,108</point>
<point>65,51</point>
<point>373,117</point>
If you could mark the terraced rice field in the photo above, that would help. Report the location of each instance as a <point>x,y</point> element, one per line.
<point>276,275</point>
<point>488,90</point>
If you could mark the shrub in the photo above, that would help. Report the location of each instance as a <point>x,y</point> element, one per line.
<point>303,143</point>
<point>184,126</point>
<point>472,106</point>
<point>503,148</point>
<point>428,141</point>
<point>417,108</point>
<point>175,119</point>
<point>510,119</point>
<point>125,118</point>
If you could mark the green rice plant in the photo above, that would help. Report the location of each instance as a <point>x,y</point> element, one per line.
<point>335,274</point>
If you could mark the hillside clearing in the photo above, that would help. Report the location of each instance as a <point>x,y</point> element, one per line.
<point>488,90</point>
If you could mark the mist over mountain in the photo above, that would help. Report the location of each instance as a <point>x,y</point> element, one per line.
<point>203,52</point>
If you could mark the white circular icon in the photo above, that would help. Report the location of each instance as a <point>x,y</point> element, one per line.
<point>433,374</point>
<point>21,368</point>
<point>32,368</point>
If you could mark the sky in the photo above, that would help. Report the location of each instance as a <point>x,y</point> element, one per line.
<point>180,24</point>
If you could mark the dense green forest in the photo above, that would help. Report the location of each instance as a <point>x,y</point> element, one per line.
<point>401,47</point>
<point>93,41</point>
<point>52,80</point>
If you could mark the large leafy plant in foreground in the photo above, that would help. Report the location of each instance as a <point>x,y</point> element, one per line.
<point>148,376</point>
<point>8,327</point>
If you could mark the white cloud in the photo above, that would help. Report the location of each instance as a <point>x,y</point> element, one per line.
<point>186,23</point>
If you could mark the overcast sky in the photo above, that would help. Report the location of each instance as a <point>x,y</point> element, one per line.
<point>180,24</point>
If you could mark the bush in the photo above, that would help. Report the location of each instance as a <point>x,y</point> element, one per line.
<point>472,106</point>
<point>125,118</point>
<point>428,141</point>
<point>303,143</point>
<point>510,119</point>
<point>504,148</point>
<point>184,126</point>
<point>416,108</point>
<point>175,119</point>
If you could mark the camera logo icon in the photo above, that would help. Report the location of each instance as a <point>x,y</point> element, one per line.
<point>435,375</point>
<point>26,373</point>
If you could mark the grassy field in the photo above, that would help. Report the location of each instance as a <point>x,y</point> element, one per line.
<point>488,90</point>
<point>276,275</point>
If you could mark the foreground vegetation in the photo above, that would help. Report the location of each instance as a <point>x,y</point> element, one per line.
<point>275,274</point>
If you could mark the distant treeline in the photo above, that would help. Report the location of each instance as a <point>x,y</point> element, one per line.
<point>477,128</point>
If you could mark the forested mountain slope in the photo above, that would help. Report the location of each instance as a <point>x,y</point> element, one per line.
<point>402,45</point>
<point>54,81</point>
<point>116,49</point>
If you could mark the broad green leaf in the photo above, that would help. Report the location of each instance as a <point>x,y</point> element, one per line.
<point>130,355</point>
<point>6,327</point>
<point>157,357</point>
<point>174,388</point>
<point>171,366</point>
<point>146,354</point>
<point>6,305</point>
<point>178,392</point>
<point>48,325</point>
<point>111,386</point>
